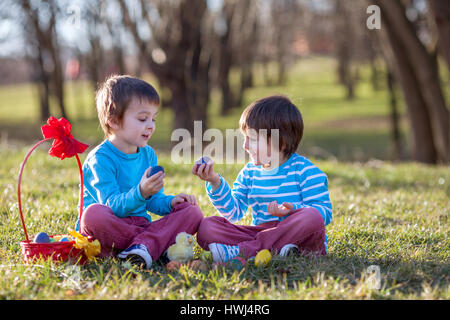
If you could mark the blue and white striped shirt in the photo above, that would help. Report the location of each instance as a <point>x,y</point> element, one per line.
<point>297,181</point>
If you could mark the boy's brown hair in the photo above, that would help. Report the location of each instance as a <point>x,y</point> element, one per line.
<point>115,94</point>
<point>275,112</point>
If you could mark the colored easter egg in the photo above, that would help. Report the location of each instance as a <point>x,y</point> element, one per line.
<point>173,265</point>
<point>198,265</point>
<point>64,239</point>
<point>263,258</point>
<point>154,170</point>
<point>202,160</point>
<point>236,264</point>
<point>42,237</point>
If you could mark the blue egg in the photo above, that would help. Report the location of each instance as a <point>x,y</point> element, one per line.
<point>42,237</point>
<point>155,170</point>
<point>64,239</point>
<point>236,264</point>
<point>202,160</point>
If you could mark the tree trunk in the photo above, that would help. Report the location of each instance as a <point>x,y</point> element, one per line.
<point>58,86</point>
<point>226,59</point>
<point>421,137</point>
<point>52,46</point>
<point>181,107</point>
<point>246,82</point>
<point>119,59</point>
<point>282,65</point>
<point>186,69</point>
<point>375,74</point>
<point>441,13</point>
<point>344,37</point>
<point>412,55</point>
<point>225,63</point>
<point>46,42</point>
<point>395,119</point>
<point>94,61</point>
<point>42,83</point>
<point>227,97</point>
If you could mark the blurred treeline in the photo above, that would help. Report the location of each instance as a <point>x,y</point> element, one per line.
<point>194,46</point>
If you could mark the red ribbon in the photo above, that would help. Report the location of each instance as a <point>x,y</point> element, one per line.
<point>64,144</point>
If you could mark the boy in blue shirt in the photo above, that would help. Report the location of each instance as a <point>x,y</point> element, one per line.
<point>287,193</point>
<point>117,191</point>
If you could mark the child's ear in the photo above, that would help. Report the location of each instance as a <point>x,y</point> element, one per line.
<point>113,123</point>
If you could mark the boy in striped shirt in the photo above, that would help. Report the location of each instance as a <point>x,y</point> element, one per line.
<point>288,195</point>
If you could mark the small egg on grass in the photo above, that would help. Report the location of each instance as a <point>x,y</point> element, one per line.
<point>173,266</point>
<point>263,258</point>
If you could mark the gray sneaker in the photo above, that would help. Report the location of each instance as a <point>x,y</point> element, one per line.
<point>137,254</point>
<point>222,252</point>
<point>289,249</point>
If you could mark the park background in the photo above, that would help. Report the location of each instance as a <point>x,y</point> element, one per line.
<point>374,102</point>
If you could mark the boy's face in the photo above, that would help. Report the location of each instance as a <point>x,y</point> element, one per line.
<point>138,125</point>
<point>257,146</point>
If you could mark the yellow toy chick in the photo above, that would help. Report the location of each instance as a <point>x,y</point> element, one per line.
<point>183,248</point>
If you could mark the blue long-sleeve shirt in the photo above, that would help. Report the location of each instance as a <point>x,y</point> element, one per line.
<point>297,181</point>
<point>112,177</point>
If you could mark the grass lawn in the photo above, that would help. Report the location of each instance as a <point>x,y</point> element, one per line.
<point>389,215</point>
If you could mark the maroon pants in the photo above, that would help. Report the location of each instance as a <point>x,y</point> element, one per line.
<point>304,227</point>
<point>116,234</point>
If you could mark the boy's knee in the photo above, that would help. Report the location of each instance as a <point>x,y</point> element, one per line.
<point>310,218</point>
<point>190,213</point>
<point>315,220</point>
<point>193,212</point>
<point>92,216</point>
<point>197,211</point>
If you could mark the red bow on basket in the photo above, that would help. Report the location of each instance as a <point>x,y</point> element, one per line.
<point>64,145</point>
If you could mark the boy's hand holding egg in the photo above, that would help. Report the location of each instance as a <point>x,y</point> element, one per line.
<point>204,169</point>
<point>203,160</point>
<point>154,170</point>
<point>157,174</point>
<point>152,181</point>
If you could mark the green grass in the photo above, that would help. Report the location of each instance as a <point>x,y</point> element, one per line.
<point>392,216</point>
<point>387,214</point>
